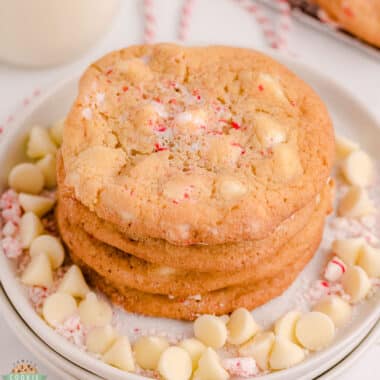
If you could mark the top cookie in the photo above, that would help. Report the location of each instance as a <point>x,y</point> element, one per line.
<point>361,18</point>
<point>195,145</point>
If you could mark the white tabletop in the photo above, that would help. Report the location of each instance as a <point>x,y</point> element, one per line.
<point>212,21</point>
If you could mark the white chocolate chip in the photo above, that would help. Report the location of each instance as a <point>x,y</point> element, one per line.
<point>74,283</point>
<point>148,349</point>
<point>100,339</point>
<point>286,325</point>
<point>231,188</point>
<point>356,283</point>
<point>240,367</point>
<point>336,308</point>
<point>355,203</point>
<point>94,312</point>
<point>38,272</point>
<point>369,260</point>
<point>268,131</point>
<point>211,331</point>
<point>271,84</point>
<point>286,162</point>
<point>87,113</point>
<point>358,169</point>
<point>315,330</point>
<point>50,245</point>
<point>35,203</point>
<point>209,367</point>
<point>56,131</point>
<point>57,307</point>
<point>47,166</point>
<point>285,354</point>
<point>344,146</point>
<point>26,178</point>
<point>348,249</point>
<point>259,348</point>
<point>241,326</point>
<point>100,97</point>
<point>194,348</point>
<point>39,143</point>
<point>134,70</point>
<point>190,122</point>
<point>175,364</point>
<point>120,355</point>
<point>30,228</point>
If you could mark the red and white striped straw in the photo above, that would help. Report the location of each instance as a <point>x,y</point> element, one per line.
<point>149,21</point>
<point>284,24</point>
<point>262,20</point>
<point>184,22</point>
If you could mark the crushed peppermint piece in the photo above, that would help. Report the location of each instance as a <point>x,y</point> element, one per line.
<point>233,124</point>
<point>11,247</point>
<point>334,269</point>
<point>159,148</point>
<point>318,290</point>
<point>10,229</point>
<point>160,128</point>
<point>241,367</point>
<point>37,296</point>
<point>73,330</point>
<point>7,199</point>
<point>12,214</point>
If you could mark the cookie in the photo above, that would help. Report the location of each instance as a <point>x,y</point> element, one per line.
<point>127,270</point>
<point>219,302</point>
<point>195,145</point>
<point>202,258</point>
<point>361,18</point>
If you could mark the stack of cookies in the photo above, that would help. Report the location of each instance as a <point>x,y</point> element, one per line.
<point>193,180</point>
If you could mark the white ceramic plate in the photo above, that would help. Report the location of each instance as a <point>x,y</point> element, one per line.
<point>63,368</point>
<point>66,369</point>
<point>351,119</point>
<point>338,369</point>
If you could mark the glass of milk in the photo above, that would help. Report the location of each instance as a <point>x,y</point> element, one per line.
<point>49,32</point>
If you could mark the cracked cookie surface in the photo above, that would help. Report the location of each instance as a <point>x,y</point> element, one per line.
<point>195,145</point>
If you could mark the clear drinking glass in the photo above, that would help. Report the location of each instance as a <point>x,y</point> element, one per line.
<point>49,32</point>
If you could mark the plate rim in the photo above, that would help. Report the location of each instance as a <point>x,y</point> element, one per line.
<point>21,330</point>
<point>49,334</point>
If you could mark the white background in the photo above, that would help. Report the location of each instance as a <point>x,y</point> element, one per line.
<point>213,21</point>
